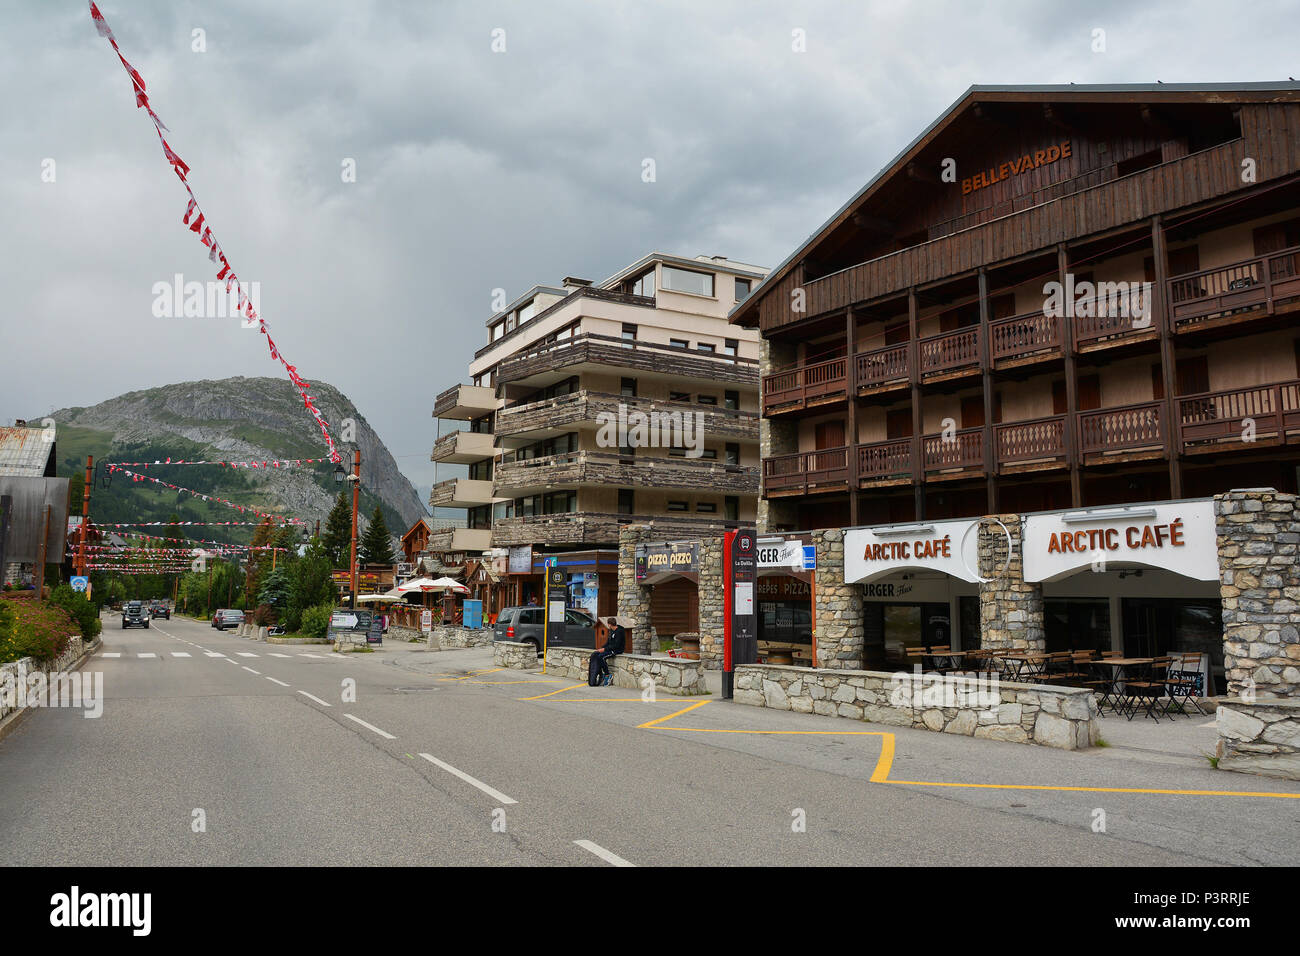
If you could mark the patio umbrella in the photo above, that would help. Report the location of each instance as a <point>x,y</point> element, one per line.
<point>377,599</point>
<point>447,584</point>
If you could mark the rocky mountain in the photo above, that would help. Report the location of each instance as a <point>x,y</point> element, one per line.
<point>233,419</point>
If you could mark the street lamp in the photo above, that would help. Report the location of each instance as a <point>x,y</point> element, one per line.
<point>355,479</point>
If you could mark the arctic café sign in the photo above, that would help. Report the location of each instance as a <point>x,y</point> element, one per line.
<point>1177,537</point>
<point>950,547</point>
<point>1016,167</point>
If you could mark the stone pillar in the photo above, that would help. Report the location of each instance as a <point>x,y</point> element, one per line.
<point>1011,609</point>
<point>633,599</point>
<point>712,603</point>
<point>1258,531</point>
<point>839,606</point>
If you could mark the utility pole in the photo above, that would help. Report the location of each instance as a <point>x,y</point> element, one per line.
<point>356,497</point>
<point>85,514</point>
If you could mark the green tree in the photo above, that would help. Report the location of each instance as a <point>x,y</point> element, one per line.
<point>275,589</point>
<point>309,584</point>
<point>338,532</point>
<point>377,545</point>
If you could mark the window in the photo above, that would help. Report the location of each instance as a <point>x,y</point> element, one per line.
<point>743,287</point>
<point>527,312</point>
<point>629,335</point>
<point>643,284</point>
<point>731,400</point>
<point>560,502</point>
<point>708,399</point>
<point>707,347</point>
<point>731,505</point>
<point>679,343</point>
<point>679,396</point>
<point>733,453</point>
<point>626,501</point>
<point>730,346</point>
<point>627,387</point>
<point>498,330</point>
<point>706,454</point>
<point>684,280</point>
<point>706,507</point>
<point>679,506</point>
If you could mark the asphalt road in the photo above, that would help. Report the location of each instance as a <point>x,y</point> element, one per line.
<point>442,759</point>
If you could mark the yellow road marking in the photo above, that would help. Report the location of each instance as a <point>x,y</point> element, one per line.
<point>1029,786</point>
<point>678,713</point>
<point>554,692</point>
<point>475,674</point>
<point>495,682</point>
<point>885,761</point>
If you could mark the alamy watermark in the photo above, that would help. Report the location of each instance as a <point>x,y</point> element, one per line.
<point>83,690</point>
<point>654,429</point>
<point>1086,299</point>
<point>213,299</point>
<point>977,689</point>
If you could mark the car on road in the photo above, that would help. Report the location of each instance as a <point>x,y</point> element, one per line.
<point>160,609</point>
<point>524,625</point>
<point>134,614</point>
<point>227,617</point>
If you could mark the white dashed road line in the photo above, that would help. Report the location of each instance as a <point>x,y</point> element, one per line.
<point>611,858</point>
<point>251,671</point>
<point>280,682</point>
<point>146,655</point>
<point>280,655</point>
<point>383,733</point>
<point>180,653</point>
<point>312,697</point>
<point>112,654</point>
<point>494,794</point>
<point>213,654</point>
<point>245,654</point>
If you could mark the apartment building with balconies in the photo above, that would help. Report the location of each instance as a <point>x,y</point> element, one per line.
<point>595,405</point>
<point>1058,308</point>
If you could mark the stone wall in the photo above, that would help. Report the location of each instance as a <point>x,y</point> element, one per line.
<point>1258,531</point>
<point>398,632</point>
<point>633,599</point>
<point>446,636</point>
<point>712,600</point>
<point>511,654</point>
<point>1061,717</point>
<point>839,633</point>
<point>1261,737</point>
<point>671,675</point>
<point>12,673</point>
<point>1011,609</point>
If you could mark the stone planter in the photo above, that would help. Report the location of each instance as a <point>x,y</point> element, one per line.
<point>690,646</point>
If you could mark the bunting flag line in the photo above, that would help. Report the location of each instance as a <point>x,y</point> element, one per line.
<point>129,550</point>
<point>273,463</point>
<point>154,537</point>
<point>195,524</point>
<point>204,232</point>
<point>135,476</point>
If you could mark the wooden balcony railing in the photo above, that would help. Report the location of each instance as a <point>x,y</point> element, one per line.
<point>1041,439</point>
<point>807,384</point>
<point>962,450</point>
<point>880,366</point>
<point>885,460</point>
<point>807,470</point>
<point>1245,286</point>
<point>1021,336</point>
<point>1261,412</point>
<point>1127,428</point>
<point>1106,318</point>
<point>950,351</point>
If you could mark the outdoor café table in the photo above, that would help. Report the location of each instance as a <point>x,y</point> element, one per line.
<point>941,660</point>
<point>1115,671</point>
<point>1025,663</point>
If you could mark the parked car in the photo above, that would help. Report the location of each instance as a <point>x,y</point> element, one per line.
<point>227,617</point>
<point>160,609</point>
<point>524,625</point>
<point>134,614</point>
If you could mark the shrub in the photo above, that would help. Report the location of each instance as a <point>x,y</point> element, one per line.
<point>36,630</point>
<point>316,621</point>
<point>264,615</point>
<point>84,612</point>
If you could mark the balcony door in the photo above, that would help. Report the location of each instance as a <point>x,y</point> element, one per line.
<point>829,435</point>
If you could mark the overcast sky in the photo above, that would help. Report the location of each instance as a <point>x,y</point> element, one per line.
<point>475,169</point>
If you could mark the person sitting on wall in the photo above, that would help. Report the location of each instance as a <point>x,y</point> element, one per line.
<point>612,631</point>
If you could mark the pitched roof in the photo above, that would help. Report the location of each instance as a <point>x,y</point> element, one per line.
<point>1276,91</point>
<point>27,452</point>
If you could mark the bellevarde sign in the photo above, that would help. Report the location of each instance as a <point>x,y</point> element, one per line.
<point>1016,167</point>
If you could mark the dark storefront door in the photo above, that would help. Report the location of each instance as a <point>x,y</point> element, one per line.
<point>1155,626</point>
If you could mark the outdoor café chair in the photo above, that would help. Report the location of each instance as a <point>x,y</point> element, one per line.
<point>1185,681</point>
<point>1151,687</point>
